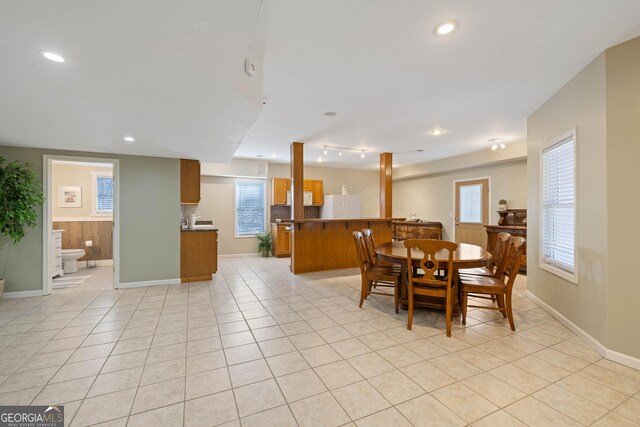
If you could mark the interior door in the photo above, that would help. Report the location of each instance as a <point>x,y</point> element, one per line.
<point>472,211</point>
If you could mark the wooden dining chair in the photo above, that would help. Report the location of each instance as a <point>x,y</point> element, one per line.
<point>429,283</point>
<point>370,247</point>
<point>375,275</point>
<point>501,288</point>
<point>497,255</point>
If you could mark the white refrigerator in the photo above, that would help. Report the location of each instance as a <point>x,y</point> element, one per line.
<point>339,207</point>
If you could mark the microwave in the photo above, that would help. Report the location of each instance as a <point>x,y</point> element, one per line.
<point>307,198</point>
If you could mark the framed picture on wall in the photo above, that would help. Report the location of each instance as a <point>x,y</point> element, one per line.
<point>69,197</point>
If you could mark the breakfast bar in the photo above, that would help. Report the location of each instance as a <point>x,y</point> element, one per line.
<point>327,244</point>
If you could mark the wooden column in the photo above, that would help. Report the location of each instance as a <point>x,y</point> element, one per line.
<point>386,163</point>
<point>297,180</point>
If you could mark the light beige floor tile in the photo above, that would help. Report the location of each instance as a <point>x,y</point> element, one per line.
<point>466,403</point>
<point>60,393</point>
<point>115,381</point>
<point>320,355</point>
<point>46,360</point>
<point>27,379</point>
<point>338,374</point>
<point>396,387</point>
<point>159,394</point>
<point>275,347</point>
<point>210,410</point>
<point>581,410</point>
<point>493,389</point>
<point>104,408</point>
<point>320,410</point>
<point>593,391</point>
<point>72,371</point>
<point>206,345</point>
<point>350,348</point>
<point>611,379</point>
<point>426,349</point>
<point>498,419</point>
<point>577,350</point>
<point>300,385</point>
<point>614,420</point>
<point>287,363</point>
<point>307,340</point>
<point>166,353</point>
<point>618,368</point>
<point>258,397</point>
<point>427,376</point>
<point>239,338</point>
<point>168,339</point>
<point>389,418</point>
<point>561,359</point>
<point>280,416</point>
<point>426,410</point>
<point>249,372</point>
<point>455,366</point>
<point>208,382</point>
<point>135,344</point>
<point>519,378</point>
<point>164,371</point>
<point>360,399</point>
<point>542,368</point>
<point>399,356</point>
<point>205,362</point>
<point>630,409</point>
<point>370,365</point>
<point>168,416</point>
<point>125,361</point>
<point>535,413</point>
<point>242,353</point>
<point>377,340</point>
<point>20,397</point>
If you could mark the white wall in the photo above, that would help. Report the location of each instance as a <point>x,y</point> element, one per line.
<point>432,197</point>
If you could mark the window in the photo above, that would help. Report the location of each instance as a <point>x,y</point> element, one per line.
<point>102,203</point>
<point>558,208</point>
<point>250,208</point>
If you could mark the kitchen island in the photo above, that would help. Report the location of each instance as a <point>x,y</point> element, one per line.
<point>327,244</point>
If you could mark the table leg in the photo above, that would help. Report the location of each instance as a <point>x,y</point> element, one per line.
<point>403,287</point>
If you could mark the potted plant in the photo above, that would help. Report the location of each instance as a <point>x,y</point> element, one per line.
<point>502,205</point>
<point>20,194</point>
<point>265,243</point>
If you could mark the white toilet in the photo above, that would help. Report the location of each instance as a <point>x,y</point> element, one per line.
<point>70,259</point>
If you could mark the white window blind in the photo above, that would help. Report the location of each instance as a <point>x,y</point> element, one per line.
<point>558,205</point>
<point>104,194</point>
<point>250,207</point>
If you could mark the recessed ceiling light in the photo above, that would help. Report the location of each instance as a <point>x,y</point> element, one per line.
<point>340,153</point>
<point>273,156</point>
<point>330,114</point>
<point>436,132</point>
<point>52,56</point>
<point>319,159</point>
<point>445,28</point>
<point>362,155</point>
<point>259,156</point>
<point>129,139</point>
<point>325,150</point>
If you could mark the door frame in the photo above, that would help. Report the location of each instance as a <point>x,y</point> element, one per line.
<point>47,226</point>
<point>453,212</point>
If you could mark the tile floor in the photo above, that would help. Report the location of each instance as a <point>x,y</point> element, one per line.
<point>261,347</point>
<point>101,278</point>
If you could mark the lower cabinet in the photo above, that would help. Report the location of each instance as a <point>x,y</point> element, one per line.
<point>514,230</point>
<point>198,255</point>
<point>281,237</point>
<point>403,230</point>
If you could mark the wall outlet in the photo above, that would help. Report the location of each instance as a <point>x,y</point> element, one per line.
<point>88,243</point>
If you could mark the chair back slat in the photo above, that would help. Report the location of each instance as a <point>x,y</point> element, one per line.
<point>499,250</point>
<point>363,261</point>
<point>370,246</point>
<point>514,259</point>
<point>429,263</point>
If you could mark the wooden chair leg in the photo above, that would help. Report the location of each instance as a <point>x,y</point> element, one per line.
<point>410,310</point>
<point>463,307</point>
<point>396,296</point>
<point>447,313</point>
<point>363,291</point>
<point>510,312</point>
<point>501,305</point>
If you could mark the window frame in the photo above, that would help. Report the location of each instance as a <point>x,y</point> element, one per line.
<point>571,277</point>
<point>235,207</point>
<point>94,199</point>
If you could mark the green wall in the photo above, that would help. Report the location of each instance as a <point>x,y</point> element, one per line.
<point>149,220</point>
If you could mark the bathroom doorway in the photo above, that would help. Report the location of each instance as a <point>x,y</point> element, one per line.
<point>81,214</point>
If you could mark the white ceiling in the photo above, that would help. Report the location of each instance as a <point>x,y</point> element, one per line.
<point>165,71</point>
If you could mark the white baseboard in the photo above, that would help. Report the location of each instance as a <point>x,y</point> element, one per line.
<point>607,353</point>
<point>252,254</point>
<point>99,263</point>
<point>129,285</point>
<point>22,294</point>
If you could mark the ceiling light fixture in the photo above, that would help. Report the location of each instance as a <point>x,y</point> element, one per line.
<point>52,56</point>
<point>341,150</point>
<point>319,159</point>
<point>330,114</point>
<point>495,144</point>
<point>445,28</point>
<point>129,139</point>
<point>362,155</point>
<point>273,156</point>
<point>325,150</point>
<point>340,153</point>
<point>436,132</point>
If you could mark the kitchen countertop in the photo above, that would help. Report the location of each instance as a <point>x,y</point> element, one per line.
<point>184,230</point>
<point>320,220</point>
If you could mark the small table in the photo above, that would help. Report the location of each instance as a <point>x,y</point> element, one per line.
<point>466,256</point>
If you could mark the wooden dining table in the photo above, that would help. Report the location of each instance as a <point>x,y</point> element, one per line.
<point>466,256</point>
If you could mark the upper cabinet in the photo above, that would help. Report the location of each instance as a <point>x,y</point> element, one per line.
<point>189,181</point>
<point>282,185</point>
<point>280,188</point>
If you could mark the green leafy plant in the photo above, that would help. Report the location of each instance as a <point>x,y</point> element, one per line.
<point>265,243</point>
<point>20,194</point>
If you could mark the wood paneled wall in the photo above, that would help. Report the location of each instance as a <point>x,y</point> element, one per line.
<point>77,232</point>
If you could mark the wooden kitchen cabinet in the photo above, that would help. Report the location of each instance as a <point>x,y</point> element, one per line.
<point>189,181</point>
<point>316,186</point>
<point>198,255</point>
<point>280,188</point>
<point>281,237</point>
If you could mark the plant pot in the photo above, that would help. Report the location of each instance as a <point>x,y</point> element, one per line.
<point>265,253</point>
<point>1,287</point>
